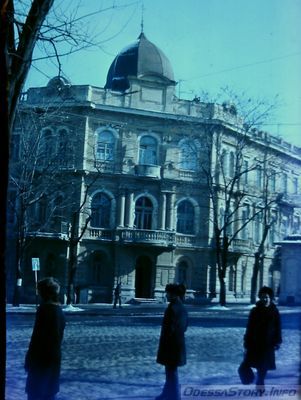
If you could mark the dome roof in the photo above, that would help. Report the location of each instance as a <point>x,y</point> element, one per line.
<point>141,58</point>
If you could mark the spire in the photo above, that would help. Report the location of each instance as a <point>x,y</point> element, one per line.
<point>142,17</point>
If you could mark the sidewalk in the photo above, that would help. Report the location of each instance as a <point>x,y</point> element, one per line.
<point>148,309</point>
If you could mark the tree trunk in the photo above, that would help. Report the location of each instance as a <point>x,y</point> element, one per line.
<point>258,263</point>
<point>254,278</point>
<point>222,268</point>
<point>71,272</point>
<point>4,159</point>
<point>222,293</point>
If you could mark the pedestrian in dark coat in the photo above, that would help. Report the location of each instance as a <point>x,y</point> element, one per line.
<point>117,295</point>
<point>172,349</point>
<point>43,358</point>
<point>263,335</point>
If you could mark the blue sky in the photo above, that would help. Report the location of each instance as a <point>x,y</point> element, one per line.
<point>251,46</point>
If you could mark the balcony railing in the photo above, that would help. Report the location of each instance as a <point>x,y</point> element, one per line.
<point>152,171</point>
<point>155,238</point>
<point>144,236</point>
<point>102,234</point>
<point>241,245</point>
<point>237,245</point>
<point>186,240</point>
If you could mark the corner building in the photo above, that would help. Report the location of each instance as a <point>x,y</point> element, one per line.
<point>133,155</point>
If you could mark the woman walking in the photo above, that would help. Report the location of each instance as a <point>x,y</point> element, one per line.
<point>43,358</point>
<point>263,335</point>
<point>172,350</point>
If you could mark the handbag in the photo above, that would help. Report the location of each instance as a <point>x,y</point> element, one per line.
<point>245,373</point>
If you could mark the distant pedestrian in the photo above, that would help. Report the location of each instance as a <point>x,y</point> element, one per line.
<point>43,358</point>
<point>263,335</point>
<point>172,349</point>
<point>117,295</point>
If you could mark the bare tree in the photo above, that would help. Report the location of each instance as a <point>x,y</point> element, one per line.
<point>266,217</point>
<point>23,25</point>
<point>76,232</point>
<point>35,169</point>
<point>225,168</point>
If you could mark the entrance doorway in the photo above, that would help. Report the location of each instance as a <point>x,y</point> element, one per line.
<point>143,277</point>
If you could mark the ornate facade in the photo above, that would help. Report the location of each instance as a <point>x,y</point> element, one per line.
<point>132,171</point>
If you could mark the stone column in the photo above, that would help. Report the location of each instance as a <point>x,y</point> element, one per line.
<point>170,211</point>
<point>121,209</point>
<point>208,281</point>
<point>129,216</point>
<point>163,211</point>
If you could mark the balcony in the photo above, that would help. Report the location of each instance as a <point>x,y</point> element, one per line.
<point>58,230</point>
<point>105,166</point>
<point>289,200</point>
<point>151,171</point>
<point>237,245</point>
<point>241,245</point>
<point>101,234</point>
<point>148,237</point>
<point>157,238</point>
<point>186,240</point>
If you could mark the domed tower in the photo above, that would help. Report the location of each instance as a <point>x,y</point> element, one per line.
<point>140,60</point>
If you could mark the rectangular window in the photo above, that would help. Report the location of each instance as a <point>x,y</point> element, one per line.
<point>296,225</point>
<point>295,185</point>
<point>257,229</point>
<point>272,182</point>
<point>259,177</point>
<point>245,218</point>
<point>245,172</point>
<point>284,227</point>
<point>284,183</point>
<point>104,152</point>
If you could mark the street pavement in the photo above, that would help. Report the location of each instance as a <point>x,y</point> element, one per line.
<point>111,354</point>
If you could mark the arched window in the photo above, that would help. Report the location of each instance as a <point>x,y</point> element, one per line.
<point>188,155</point>
<point>185,217</point>
<point>47,144</point>
<point>148,151</point>
<point>182,272</point>
<point>101,211</point>
<point>65,150</point>
<point>143,213</point>
<point>105,146</point>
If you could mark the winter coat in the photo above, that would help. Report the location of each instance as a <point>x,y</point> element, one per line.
<point>172,349</point>
<point>43,358</point>
<point>263,335</point>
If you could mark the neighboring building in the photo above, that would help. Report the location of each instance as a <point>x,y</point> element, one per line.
<point>127,163</point>
<point>290,283</point>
